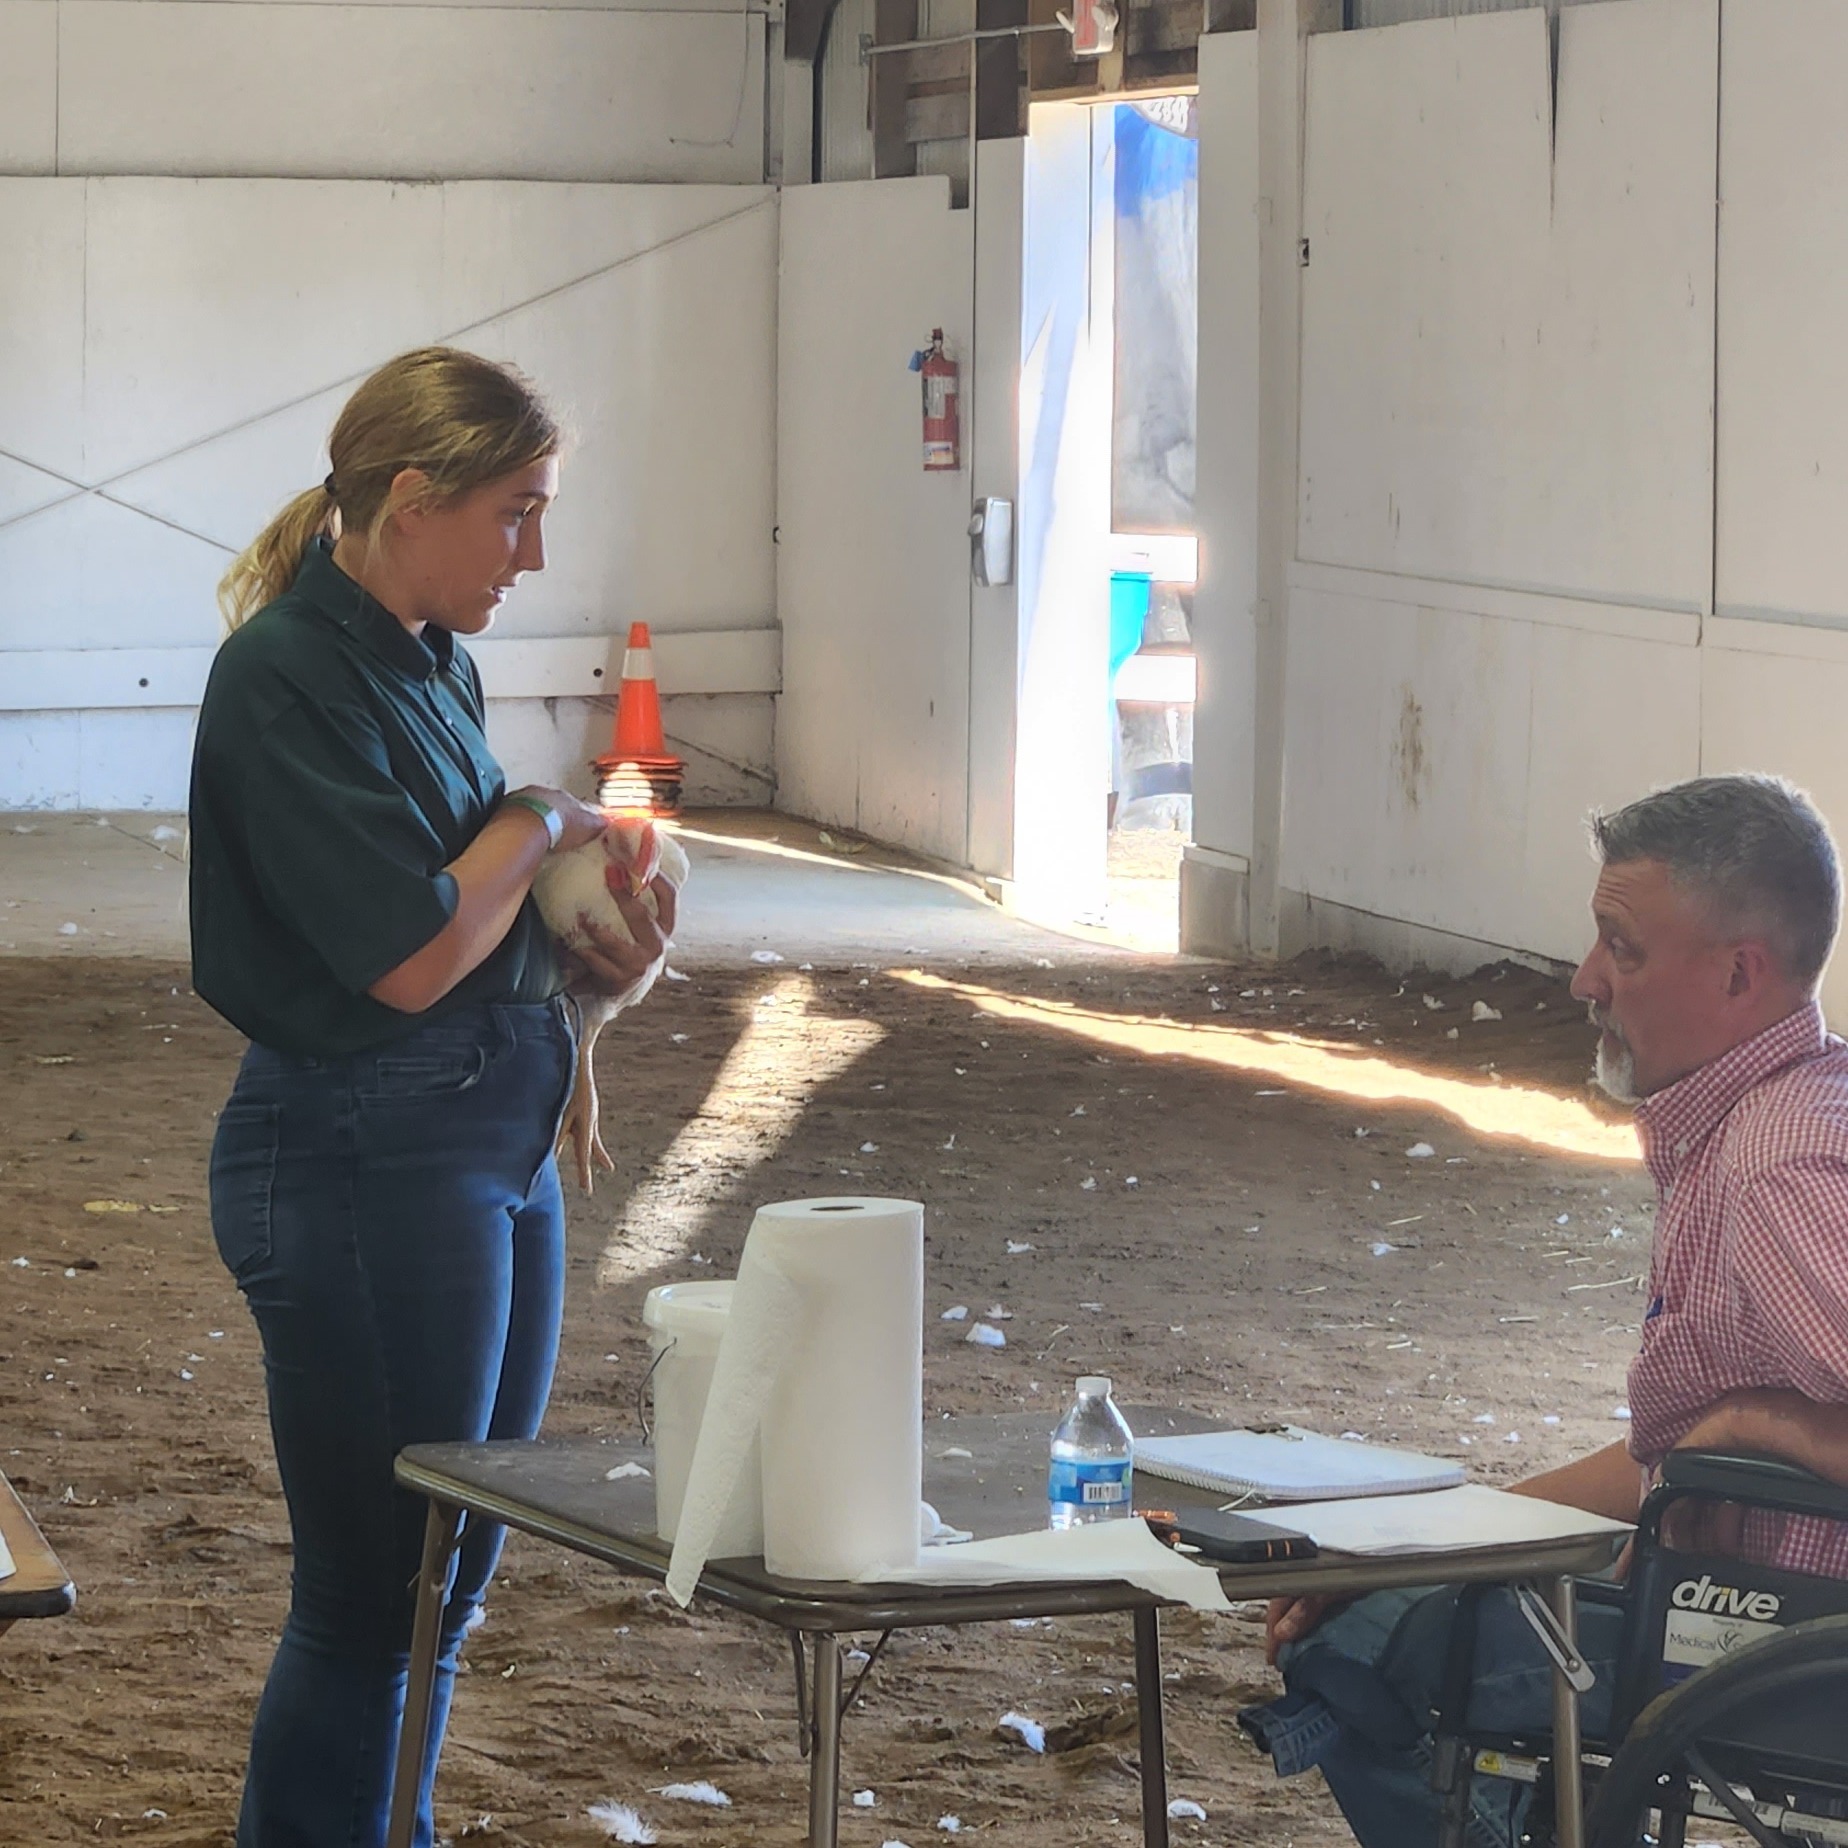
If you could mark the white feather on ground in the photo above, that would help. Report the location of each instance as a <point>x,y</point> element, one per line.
<point>621,1823</point>
<point>570,889</point>
<point>701,1792</point>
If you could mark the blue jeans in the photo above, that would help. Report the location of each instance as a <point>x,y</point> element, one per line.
<point>395,1224</point>
<point>1362,1690</point>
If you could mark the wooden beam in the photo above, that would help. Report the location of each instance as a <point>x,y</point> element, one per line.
<point>1174,27</point>
<point>938,64</point>
<point>937,118</point>
<point>1052,71</point>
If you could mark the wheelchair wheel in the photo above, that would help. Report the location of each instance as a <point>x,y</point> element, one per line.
<point>1663,1756</point>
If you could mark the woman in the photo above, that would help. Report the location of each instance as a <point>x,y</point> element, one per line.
<point>383,1182</point>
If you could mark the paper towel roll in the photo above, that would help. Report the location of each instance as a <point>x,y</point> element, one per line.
<point>824,1355</point>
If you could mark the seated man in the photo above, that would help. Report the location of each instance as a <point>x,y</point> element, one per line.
<point>1716,908</point>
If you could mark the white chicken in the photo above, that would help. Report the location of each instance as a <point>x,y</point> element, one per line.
<point>571,890</point>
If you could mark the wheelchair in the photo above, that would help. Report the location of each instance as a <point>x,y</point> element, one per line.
<point>1730,1700</point>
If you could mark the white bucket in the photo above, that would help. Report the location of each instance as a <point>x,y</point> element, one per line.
<point>686,1322</point>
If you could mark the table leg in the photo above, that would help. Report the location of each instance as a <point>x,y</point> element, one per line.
<point>1568,1781</point>
<point>825,1759</point>
<point>441,1529</point>
<point>1153,1732</point>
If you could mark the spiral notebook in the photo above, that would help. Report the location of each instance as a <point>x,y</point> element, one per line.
<point>1281,1463</point>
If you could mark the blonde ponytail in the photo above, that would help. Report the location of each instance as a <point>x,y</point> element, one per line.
<point>457,419</point>
<point>267,566</point>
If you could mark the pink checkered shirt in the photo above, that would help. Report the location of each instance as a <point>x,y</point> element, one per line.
<point>1748,1281</point>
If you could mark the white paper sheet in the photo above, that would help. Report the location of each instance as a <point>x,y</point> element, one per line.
<point>1106,1550</point>
<point>7,1567</point>
<point>1442,1521</point>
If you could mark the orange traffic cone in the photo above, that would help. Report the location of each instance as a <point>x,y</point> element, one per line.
<point>638,775</point>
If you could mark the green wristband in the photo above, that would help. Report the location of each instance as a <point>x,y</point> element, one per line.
<point>554,822</point>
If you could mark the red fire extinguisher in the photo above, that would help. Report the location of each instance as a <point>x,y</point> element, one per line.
<point>942,425</point>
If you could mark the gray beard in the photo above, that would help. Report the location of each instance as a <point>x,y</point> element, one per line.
<point>1615,1074</point>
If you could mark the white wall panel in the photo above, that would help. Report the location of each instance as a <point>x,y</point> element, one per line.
<point>873,563</point>
<point>1227,479</point>
<point>1609,718</point>
<point>28,86</point>
<point>1782,712</point>
<point>208,305</point>
<point>1508,325</point>
<point>994,609</point>
<point>134,760</point>
<point>1783,362</point>
<point>87,573</point>
<point>183,346</point>
<point>40,756</point>
<point>409,92</point>
<point>210,302</point>
<point>1395,801</point>
<point>98,760</point>
<point>666,369</point>
<point>1441,763</point>
<point>41,337</point>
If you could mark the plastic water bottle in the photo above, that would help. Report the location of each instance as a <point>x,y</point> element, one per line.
<point>1091,1468</point>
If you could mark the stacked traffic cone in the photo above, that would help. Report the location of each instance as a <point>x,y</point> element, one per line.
<point>638,776</point>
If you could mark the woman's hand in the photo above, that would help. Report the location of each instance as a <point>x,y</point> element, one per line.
<point>613,965</point>
<point>582,821</point>
<point>666,905</point>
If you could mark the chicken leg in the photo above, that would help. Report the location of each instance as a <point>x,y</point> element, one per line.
<point>579,1126</point>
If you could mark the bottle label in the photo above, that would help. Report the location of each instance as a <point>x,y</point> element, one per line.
<point>1102,1484</point>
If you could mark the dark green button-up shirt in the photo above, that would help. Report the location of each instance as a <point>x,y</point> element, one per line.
<point>340,765</point>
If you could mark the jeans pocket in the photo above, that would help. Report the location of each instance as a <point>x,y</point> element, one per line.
<point>424,1072</point>
<point>243,1182</point>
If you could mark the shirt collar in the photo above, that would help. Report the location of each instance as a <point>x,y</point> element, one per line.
<point>322,583</point>
<point>1676,1120</point>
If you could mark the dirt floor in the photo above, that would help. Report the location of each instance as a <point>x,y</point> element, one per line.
<point>1213,1219</point>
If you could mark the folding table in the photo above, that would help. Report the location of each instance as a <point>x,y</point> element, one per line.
<point>38,1585</point>
<point>986,1474</point>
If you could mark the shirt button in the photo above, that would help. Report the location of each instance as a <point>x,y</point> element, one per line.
<point>1681,1147</point>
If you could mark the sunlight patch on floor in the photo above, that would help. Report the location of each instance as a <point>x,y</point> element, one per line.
<point>1543,1119</point>
<point>785,1054</point>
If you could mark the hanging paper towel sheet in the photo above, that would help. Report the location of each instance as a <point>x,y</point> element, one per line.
<point>824,1354</point>
<point>1106,1550</point>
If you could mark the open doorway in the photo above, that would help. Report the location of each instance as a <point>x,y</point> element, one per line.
<point>1155,214</point>
<point>1104,745</point>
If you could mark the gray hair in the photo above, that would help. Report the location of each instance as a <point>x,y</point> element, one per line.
<point>1752,847</point>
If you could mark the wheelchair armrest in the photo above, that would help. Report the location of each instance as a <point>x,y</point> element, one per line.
<point>1763,1482</point>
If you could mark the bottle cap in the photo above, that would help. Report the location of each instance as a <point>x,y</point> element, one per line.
<point>1094,1386</point>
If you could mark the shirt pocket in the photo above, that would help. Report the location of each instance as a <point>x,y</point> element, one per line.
<point>425,1072</point>
<point>243,1184</point>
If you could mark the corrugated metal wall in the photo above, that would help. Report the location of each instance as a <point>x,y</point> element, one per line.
<point>846,144</point>
<point>846,139</point>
